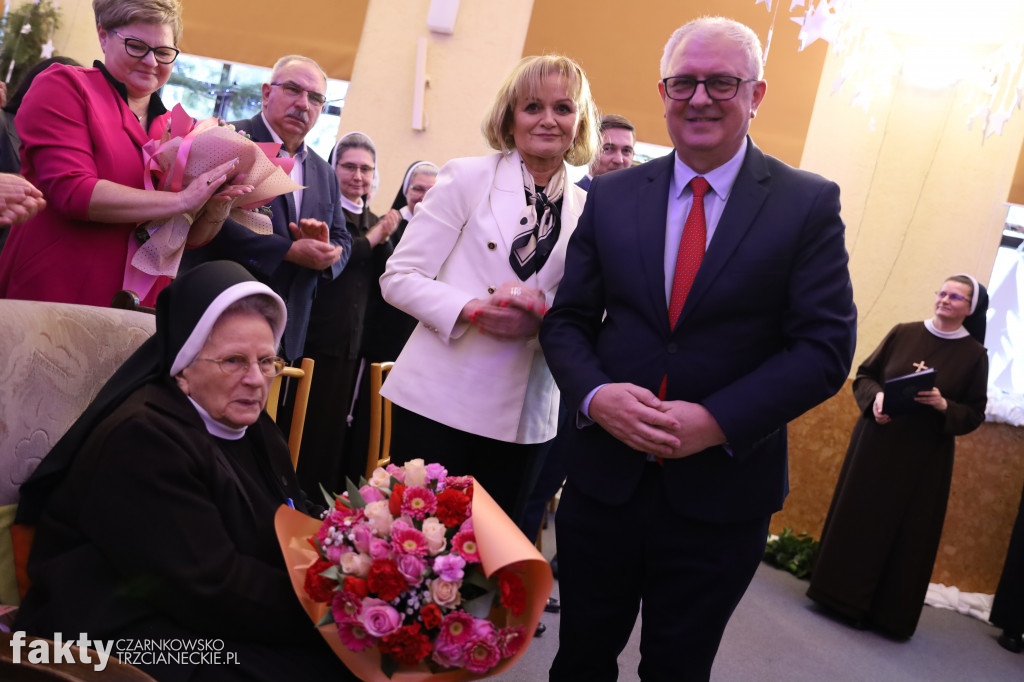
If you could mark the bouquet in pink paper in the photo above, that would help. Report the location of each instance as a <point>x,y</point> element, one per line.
<point>186,149</point>
<point>417,576</point>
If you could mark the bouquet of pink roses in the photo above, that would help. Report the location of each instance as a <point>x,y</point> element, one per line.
<point>417,575</point>
<point>188,148</point>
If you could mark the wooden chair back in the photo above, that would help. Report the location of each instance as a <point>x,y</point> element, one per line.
<point>304,374</point>
<point>379,453</point>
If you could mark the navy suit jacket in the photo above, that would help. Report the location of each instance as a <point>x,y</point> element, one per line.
<point>767,331</point>
<point>263,255</point>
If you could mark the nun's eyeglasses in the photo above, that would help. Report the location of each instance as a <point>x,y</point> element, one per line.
<point>234,365</point>
<point>952,297</point>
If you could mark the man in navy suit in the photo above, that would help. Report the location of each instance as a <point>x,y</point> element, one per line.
<point>310,240</point>
<point>677,455</point>
<point>618,139</point>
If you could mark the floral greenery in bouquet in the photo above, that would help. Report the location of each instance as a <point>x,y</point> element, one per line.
<point>398,573</point>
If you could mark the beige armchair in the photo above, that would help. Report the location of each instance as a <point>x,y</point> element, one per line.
<point>54,358</point>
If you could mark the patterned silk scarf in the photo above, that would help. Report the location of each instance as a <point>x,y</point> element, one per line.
<point>541,221</point>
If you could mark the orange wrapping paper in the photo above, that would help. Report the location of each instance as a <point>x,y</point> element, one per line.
<point>501,544</point>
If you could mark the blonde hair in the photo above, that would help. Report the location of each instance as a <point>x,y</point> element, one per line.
<point>524,82</point>
<point>112,14</point>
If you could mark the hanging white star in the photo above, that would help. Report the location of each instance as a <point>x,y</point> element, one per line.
<point>795,3</point>
<point>47,50</point>
<point>996,122</point>
<point>1018,98</point>
<point>837,84</point>
<point>814,24</point>
<point>767,4</point>
<point>981,113</point>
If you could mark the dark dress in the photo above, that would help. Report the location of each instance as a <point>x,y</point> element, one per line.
<point>333,341</point>
<point>883,528</point>
<point>162,531</point>
<point>1008,605</point>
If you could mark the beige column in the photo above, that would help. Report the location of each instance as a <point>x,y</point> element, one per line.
<point>464,71</point>
<point>923,196</point>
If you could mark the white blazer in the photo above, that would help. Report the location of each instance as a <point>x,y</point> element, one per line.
<point>456,249</point>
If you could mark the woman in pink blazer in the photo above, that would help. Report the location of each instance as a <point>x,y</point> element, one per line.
<point>82,132</point>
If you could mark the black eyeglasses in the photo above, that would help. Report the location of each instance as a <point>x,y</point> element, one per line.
<point>719,88</point>
<point>952,297</point>
<point>233,365</point>
<point>295,90</point>
<point>139,49</point>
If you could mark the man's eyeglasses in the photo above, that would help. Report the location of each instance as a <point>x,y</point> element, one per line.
<point>952,297</point>
<point>139,49</point>
<point>234,365</point>
<point>295,91</point>
<point>719,88</point>
<point>352,168</point>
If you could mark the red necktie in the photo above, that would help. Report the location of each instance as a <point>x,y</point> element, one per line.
<point>688,258</point>
<point>691,250</point>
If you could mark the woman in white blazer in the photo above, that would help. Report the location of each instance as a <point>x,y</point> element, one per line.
<point>478,266</point>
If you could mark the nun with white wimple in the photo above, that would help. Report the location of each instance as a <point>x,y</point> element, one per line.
<point>155,513</point>
<point>336,322</point>
<point>883,528</point>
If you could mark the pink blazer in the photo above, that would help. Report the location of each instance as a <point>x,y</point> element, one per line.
<point>75,130</point>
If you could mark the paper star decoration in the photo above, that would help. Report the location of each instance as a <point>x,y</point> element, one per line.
<point>47,50</point>
<point>814,24</point>
<point>795,3</point>
<point>767,4</point>
<point>996,122</point>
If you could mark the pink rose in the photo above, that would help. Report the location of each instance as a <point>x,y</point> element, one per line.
<point>447,654</point>
<point>379,618</point>
<point>380,478</point>
<point>415,473</point>
<point>354,563</point>
<point>411,567</point>
<point>334,552</point>
<point>397,472</point>
<point>485,630</point>
<point>446,593</point>
<point>434,532</point>
<point>371,494</point>
<point>379,517</point>
<point>361,537</point>
<point>380,548</point>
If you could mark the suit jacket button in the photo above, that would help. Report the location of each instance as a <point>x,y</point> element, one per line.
<point>490,290</point>
<point>492,246</point>
<point>672,349</point>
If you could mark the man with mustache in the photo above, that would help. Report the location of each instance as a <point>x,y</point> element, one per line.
<point>309,241</point>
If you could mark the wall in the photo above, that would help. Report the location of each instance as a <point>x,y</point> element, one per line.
<point>465,70</point>
<point>922,195</point>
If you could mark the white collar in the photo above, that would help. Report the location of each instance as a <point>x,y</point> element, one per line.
<point>214,427</point>
<point>721,179</point>
<point>351,206</point>
<point>957,333</point>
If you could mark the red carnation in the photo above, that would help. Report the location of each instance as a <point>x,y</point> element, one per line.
<point>408,645</point>
<point>319,588</point>
<point>395,503</point>
<point>385,580</point>
<point>513,596</point>
<point>431,615</point>
<point>356,586</point>
<point>452,507</point>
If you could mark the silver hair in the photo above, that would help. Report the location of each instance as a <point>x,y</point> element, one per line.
<point>740,33</point>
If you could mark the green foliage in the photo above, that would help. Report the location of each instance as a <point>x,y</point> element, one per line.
<point>793,553</point>
<point>25,49</point>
